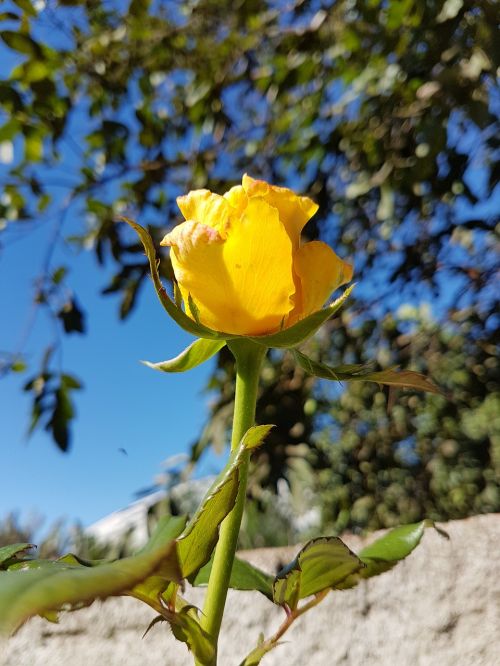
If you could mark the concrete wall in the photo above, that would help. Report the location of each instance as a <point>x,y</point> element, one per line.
<point>440,607</point>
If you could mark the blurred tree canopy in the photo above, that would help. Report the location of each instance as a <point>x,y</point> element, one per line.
<point>386,113</point>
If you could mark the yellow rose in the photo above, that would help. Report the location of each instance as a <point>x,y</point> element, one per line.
<point>239,262</point>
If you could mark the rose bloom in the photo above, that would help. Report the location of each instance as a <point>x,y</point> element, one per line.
<point>239,262</point>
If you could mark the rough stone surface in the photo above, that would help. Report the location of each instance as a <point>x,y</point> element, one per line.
<point>440,607</point>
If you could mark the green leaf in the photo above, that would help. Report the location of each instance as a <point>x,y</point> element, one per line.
<point>59,274</point>
<point>43,202</point>
<point>150,590</point>
<point>303,329</point>
<point>71,558</point>
<point>403,378</point>
<point>196,543</point>
<point>9,130</point>
<point>186,628</point>
<point>72,317</point>
<point>197,353</point>
<point>193,308</point>
<point>27,7</point>
<point>62,415</point>
<point>7,553</point>
<point>10,98</point>
<point>33,146</point>
<point>70,382</point>
<point>21,42</point>
<point>362,373</point>
<point>172,309</point>
<point>256,655</point>
<point>9,16</point>
<point>18,365</point>
<point>32,71</point>
<point>255,435</point>
<point>35,590</point>
<point>387,551</point>
<point>321,564</point>
<point>244,576</point>
<point>138,8</point>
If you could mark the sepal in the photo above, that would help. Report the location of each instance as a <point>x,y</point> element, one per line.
<point>186,628</point>
<point>177,314</point>
<point>303,329</point>
<point>197,353</point>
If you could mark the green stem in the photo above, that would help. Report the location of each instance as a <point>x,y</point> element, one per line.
<point>249,357</point>
<point>270,643</point>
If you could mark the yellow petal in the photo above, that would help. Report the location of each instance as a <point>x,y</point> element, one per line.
<point>294,211</point>
<point>258,256</point>
<point>187,236</point>
<point>319,272</point>
<point>207,208</point>
<point>237,198</point>
<point>197,261</point>
<point>242,284</point>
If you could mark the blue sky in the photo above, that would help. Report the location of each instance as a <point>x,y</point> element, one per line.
<point>123,405</point>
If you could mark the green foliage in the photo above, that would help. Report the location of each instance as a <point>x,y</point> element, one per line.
<point>366,457</point>
<point>198,540</point>
<point>176,550</point>
<point>321,564</point>
<point>255,436</point>
<point>29,587</point>
<point>167,529</point>
<point>324,563</point>
<point>386,552</point>
<point>52,404</point>
<point>377,110</point>
<point>33,586</point>
<point>402,458</point>
<point>187,629</point>
<point>327,563</point>
<point>157,589</point>
<point>7,553</point>
<point>255,657</point>
<point>361,373</point>
<point>244,576</point>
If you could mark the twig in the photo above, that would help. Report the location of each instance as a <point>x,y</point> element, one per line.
<point>271,642</point>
